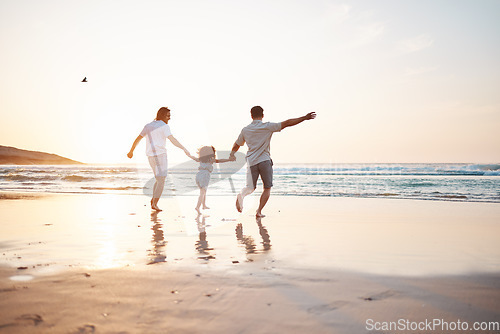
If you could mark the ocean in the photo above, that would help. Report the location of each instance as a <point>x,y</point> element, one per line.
<point>438,182</point>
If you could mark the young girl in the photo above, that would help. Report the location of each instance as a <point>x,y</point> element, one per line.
<point>206,158</point>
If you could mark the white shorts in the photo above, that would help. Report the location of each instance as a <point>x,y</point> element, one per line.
<point>159,164</point>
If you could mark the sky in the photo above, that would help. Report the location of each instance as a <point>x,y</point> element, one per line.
<point>390,81</point>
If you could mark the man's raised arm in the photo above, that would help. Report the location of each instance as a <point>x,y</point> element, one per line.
<point>295,121</point>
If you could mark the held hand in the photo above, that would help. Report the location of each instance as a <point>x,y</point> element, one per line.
<point>310,115</point>
<point>130,154</point>
<point>232,158</point>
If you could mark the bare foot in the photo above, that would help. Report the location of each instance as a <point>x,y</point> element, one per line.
<point>259,215</point>
<point>154,206</point>
<point>198,210</point>
<point>205,207</point>
<point>239,203</point>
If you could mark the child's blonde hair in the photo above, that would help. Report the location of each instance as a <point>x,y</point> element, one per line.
<point>206,153</point>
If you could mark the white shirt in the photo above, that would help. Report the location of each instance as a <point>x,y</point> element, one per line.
<point>258,135</point>
<point>156,134</point>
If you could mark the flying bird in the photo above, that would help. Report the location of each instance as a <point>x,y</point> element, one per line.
<point>84,79</point>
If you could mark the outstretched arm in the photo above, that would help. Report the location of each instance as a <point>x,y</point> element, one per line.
<point>219,161</point>
<point>136,141</point>
<point>175,142</point>
<point>235,149</point>
<point>295,121</point>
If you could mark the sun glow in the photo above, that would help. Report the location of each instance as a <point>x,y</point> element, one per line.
<point>383,92</point>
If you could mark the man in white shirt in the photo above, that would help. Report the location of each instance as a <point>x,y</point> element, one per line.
<point>156,134</point>
<point>257,135</point>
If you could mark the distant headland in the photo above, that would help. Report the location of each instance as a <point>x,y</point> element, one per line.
<point>15,156</point>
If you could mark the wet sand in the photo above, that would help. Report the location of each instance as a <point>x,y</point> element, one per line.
<point>106,264</point>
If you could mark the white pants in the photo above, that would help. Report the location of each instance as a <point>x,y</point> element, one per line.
<point>159,164</point>
<point>249,187</point>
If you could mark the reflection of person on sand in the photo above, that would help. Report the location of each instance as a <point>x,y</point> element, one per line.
<point>206,158</point>
<point>266,240</point>
<point>157,253</point>
<point>258,135</point>
<point>156,134</point>
<point>249,242</point>
<point>202,244</point>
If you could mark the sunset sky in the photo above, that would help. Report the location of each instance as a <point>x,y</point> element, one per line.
<point>390,81</point>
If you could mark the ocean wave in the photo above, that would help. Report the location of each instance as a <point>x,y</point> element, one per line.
<point>452,196</point>
<point>283,169</point>
<point>418,184</point>
<point>108,171</point>
<point>492,173</point>
<point>393,169</point>
<point>111,188</point>
<point>487,167</point>
<point>445,182</point>
<point>78,178</point>
<point>25,178</point>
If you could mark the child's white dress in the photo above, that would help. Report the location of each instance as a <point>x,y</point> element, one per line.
<point>203,176</point>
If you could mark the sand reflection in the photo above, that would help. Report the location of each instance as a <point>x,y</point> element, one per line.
<point>201,245</point>
<point>157,253</point>
<point>248,242</point>
<point>108,255</point>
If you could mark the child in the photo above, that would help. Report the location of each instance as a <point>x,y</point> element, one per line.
<point>206,158</point>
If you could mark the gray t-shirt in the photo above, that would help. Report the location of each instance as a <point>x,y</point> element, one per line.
<point>258,135</point>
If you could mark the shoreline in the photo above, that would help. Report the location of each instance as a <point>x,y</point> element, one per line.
<point>8,194</point>
<point>461,183</point>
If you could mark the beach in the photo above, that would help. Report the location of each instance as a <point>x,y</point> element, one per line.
<point>104,263</point>
<point>362,137</point>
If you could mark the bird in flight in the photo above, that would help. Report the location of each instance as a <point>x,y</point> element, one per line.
<point>84,79</point>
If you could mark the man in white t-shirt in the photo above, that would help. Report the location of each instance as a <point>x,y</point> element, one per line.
<point>257,135</point>
<point>156,134</point>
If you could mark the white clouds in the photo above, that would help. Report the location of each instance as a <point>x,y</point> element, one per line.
<point>415,44</point>
<point>368,33</point>
<point>412,45</point>
<point>339,13</point>
<point>350,27</point>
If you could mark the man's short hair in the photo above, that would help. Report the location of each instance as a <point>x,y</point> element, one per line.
<point>162,112</point>
<point>257,112</point>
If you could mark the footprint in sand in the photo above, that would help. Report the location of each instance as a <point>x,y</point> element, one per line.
<point>30,319</point>
<point>85,329</point>
<point>24,320</point>
<point>380,296</point>
<point>320,309</point>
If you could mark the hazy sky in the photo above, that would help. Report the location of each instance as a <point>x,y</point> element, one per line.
<point>391,81</point>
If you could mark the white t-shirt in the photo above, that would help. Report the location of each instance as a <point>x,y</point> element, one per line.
<point>258,135</point>
<point>156,134</point>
